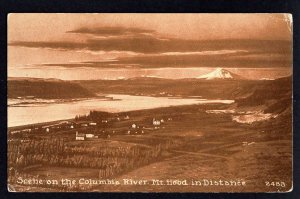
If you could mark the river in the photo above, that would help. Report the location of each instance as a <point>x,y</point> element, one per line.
<point>33,112</point>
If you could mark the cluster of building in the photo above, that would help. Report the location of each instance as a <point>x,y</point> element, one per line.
<point>134,129</point>
<point>104,122</point>
<point>67,125</point>
<point>156,124</point>
<point>54,127</point>
<point>79,126</point>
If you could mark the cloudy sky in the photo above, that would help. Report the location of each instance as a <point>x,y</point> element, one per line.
<point>110,46</point>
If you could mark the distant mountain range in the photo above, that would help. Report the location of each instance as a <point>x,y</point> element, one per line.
<point>220,73</point>
<point>217,88</point>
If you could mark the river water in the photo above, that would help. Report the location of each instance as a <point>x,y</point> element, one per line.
<point>32,112</point>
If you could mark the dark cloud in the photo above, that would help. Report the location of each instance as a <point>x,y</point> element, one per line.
<point>223,60</point>
<point>150,45</point>
<point>229,60</point>
<point>238,59</point>
<point>110,31</point>
<point>169,52</point>
<point>147,41</point>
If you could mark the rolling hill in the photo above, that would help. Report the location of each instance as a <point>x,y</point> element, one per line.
<point>213,89</point>
<point>45,88</point>
<point>277,90</point>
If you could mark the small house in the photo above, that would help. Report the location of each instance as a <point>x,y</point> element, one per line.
<point>90,136</point>
<point>156,122</point>
<point>46,128</point>
<point>79,136</point>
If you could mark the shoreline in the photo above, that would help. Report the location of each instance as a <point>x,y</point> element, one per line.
<point>109,98</point>
<point>122,112</point>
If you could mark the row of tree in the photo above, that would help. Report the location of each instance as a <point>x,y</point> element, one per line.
<point>110,160</point>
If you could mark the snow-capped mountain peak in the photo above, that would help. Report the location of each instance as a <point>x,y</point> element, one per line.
<point>219,73</point>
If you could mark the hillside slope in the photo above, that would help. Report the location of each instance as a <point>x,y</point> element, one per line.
<point>279,90</point>
<point>213,89</point>
<point>47,89</point>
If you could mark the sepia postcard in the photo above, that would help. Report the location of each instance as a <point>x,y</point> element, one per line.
<point>149,102</point>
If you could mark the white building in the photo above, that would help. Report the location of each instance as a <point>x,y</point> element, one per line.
<point>156,122</point>
<point>88,135</point>
<point>79,136</point>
